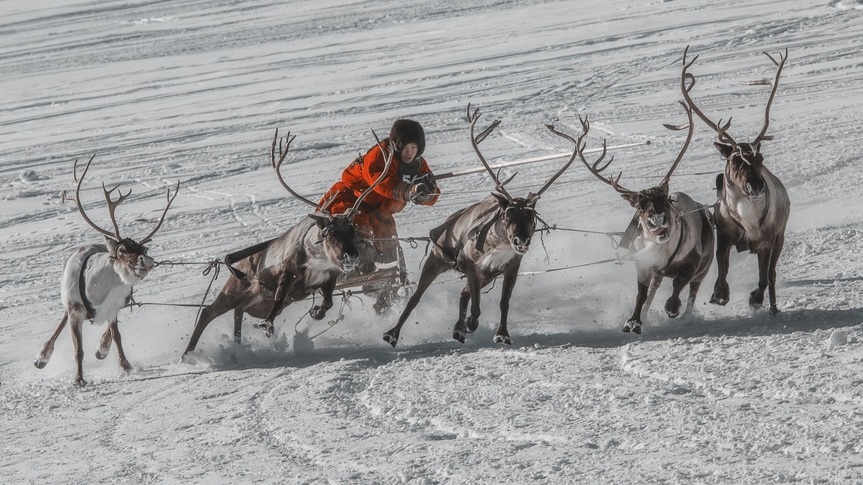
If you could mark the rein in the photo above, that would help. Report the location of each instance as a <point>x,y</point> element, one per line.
<point>82,289</point>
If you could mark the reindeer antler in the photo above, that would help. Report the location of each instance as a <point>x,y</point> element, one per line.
<point>162,217</point>
<point>721,130</point>
<point>286,141</point>
<point>476,140</point>
<point>585,125</point>
<point>691,127</point>
<point>388,154</point>
<point>594,168</point>
<point>111,206</point>
<point>763,136</point>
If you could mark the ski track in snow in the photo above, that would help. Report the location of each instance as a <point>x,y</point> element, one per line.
<point>193,90</point>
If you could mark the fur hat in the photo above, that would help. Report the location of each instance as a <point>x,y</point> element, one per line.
<point>407,131</point>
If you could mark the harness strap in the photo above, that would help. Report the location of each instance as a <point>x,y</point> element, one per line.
<point>483,233</point>
<point>676,249</point>
<point>243,254</point>
<point>82,289</point>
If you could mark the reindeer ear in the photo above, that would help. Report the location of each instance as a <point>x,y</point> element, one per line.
<point>501,200</point>
<point>725,149</point>
<point>111,243</point>
<point>664,188</point>
<point>631,198</point>
<point>321,220</point>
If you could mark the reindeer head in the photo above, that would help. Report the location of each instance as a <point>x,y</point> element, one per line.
<point>129,257</point>
<point>743,166</point>
<point>519,221</point>
<point>337,237</point>
<point>657,214</point>
<point>743,160</point>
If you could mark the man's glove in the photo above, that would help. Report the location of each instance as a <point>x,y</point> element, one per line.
<point>420,193</point>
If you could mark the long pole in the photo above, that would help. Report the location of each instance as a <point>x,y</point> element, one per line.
<point>468,171</point>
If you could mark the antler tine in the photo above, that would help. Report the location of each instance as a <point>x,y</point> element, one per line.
<point>594,168</point>
<point>476,140</point>
<point>277,165</point>
<point>388,153</point>
<point>685,144</point>
<point>162,217</point>
<point>686,76</point>
<point>112,205</point>
<point>78,198</point>
<point>577,148</point>
<point>763,135</point>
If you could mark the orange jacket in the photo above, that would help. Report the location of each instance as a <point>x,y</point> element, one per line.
<point>389,197</point>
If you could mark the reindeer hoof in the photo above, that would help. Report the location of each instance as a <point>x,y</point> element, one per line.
<point>774,310</point>
<point>502,339</point>
<point>633,326</point>
<point>101,355</point>
<point>126,366</point>
<point>472,324</point>
<point>459,332</point>
<point>266,326</point>
<point>718,300</point>
<point>391,338</point>
<point>318,312</point>
<point>80,382</point>
<point>40,364</point>
<point>756,298</point>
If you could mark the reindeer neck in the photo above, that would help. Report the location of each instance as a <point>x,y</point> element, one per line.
<point>681,229</point>
<point>731,204</point>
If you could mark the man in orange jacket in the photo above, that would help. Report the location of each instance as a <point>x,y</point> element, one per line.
<point>408,179</point>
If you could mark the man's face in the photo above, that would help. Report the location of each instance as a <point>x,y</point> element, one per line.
<point>409,152</point>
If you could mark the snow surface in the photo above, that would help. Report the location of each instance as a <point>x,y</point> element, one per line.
<point>192,90</point>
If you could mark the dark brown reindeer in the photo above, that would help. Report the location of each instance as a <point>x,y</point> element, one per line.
<point>309,256</point>
<point>483,241</point>
<point>753,204</point>
<point>97,281</point>
<point>674,238</point>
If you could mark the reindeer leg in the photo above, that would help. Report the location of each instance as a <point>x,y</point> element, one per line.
<point>634,323</point>
<point>690,300</point>
<point>433,268</point>
<point>118,342</point>
<point>104,344</point>
<point>655,281</point>
<point>319,312</point>
<point>75,327</point>
<point>672,304</point>
<point>286,282</point>
<point>48,348</point>
<point>463,326</point>
<point>223,303</point>
<point>721,291</point>
<point>238,325</point>
<point>509,278</point>
<point>771,272</point>
<point>756,298</point>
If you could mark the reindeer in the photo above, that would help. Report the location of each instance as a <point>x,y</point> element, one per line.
<point>312,255</point>
<point>753,204</point>
<point>483,241</point>
<point>97,281</point>
<point>674,238</point>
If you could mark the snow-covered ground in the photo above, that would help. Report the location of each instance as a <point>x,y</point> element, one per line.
<point>192,90</point>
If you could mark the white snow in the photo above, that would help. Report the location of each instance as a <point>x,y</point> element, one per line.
<point>192,91</point>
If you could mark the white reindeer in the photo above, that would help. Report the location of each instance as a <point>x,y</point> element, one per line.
<point>97,281</point>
